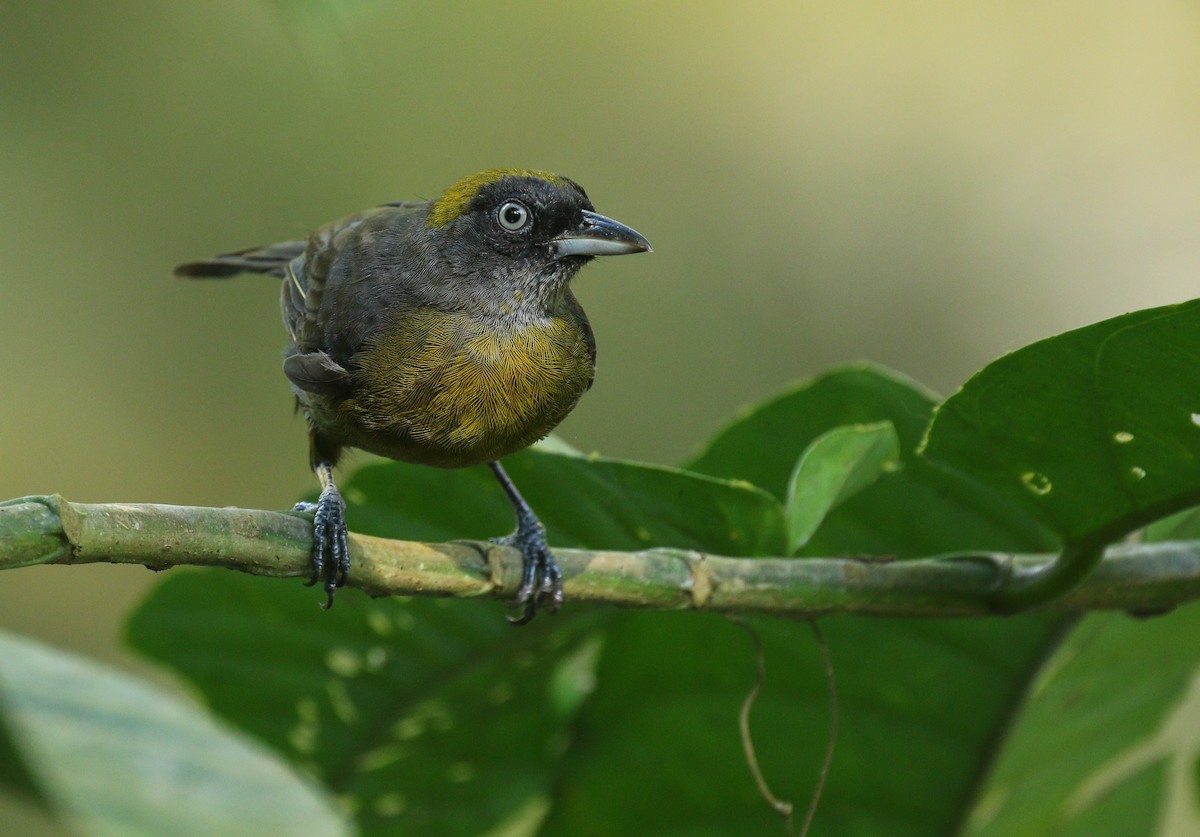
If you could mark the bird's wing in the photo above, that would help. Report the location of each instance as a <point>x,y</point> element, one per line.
<point>316,372</point>
<point>307,276</point>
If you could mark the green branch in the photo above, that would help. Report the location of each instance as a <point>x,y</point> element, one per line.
<point>50,530</point>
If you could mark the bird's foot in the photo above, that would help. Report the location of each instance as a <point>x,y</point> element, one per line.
<point>330,550</point>
<point>541,579</point>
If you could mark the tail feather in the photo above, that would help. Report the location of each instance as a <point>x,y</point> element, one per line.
<point>272,259</point>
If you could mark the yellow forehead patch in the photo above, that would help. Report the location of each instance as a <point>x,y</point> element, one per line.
<point>455,200</point>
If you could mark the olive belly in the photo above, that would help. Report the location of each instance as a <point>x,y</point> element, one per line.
<point>451,391</point>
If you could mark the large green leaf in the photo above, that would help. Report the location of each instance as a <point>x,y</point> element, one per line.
<point>1109,742</point>
<point>1096,431</point>
<point>117,756</point>
<point>914,511</point>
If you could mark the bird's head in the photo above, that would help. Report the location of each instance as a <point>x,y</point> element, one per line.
<point>525,228</point>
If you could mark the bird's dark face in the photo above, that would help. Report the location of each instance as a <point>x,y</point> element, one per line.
<point>525,227</point>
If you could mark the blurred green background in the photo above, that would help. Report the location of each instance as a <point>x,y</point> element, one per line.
<point>927,185</point>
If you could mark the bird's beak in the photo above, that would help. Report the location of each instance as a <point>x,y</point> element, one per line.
<point>598,235</point>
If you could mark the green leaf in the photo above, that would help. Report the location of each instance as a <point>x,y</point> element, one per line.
<point>118,756</point>
<point>837,465</point>
<point>1096,431</point>
<point>1108,741</point>
<point>918,510</point>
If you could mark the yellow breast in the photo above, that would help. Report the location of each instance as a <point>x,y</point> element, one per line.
<point>455,390</point>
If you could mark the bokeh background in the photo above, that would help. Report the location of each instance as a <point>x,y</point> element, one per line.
<point>928,185</point>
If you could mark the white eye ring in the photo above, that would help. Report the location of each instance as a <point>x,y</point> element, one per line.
<point>513,216</point>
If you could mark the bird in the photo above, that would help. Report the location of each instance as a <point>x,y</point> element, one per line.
<point>441,332</point>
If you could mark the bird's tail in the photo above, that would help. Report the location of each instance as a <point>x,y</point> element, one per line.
<point>272,259</point>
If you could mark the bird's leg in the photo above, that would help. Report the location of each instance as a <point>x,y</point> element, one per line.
<point>330,550</point>
<point>541,579</point>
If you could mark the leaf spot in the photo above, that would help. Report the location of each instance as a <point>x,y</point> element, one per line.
<point>380,757</point>
<point>307,710</point>
<point>390,804</point>
<point>460,772</point>
<point>501,692</point>
<point>303,736</point>
<point>376,657</point>
<point>429,713</point>
<point>1039,484</point>
<point>378,622</point>
<point>343,662</point>
<point>340,702</point>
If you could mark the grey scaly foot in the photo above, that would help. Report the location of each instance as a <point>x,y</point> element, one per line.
<point>541,579</point>
<point>330,550</point>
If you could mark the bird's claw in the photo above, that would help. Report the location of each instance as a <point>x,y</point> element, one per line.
<point>330,550</point>
<point>541,579</point>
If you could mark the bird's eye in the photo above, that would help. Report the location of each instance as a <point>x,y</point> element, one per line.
<point>513,216</point>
